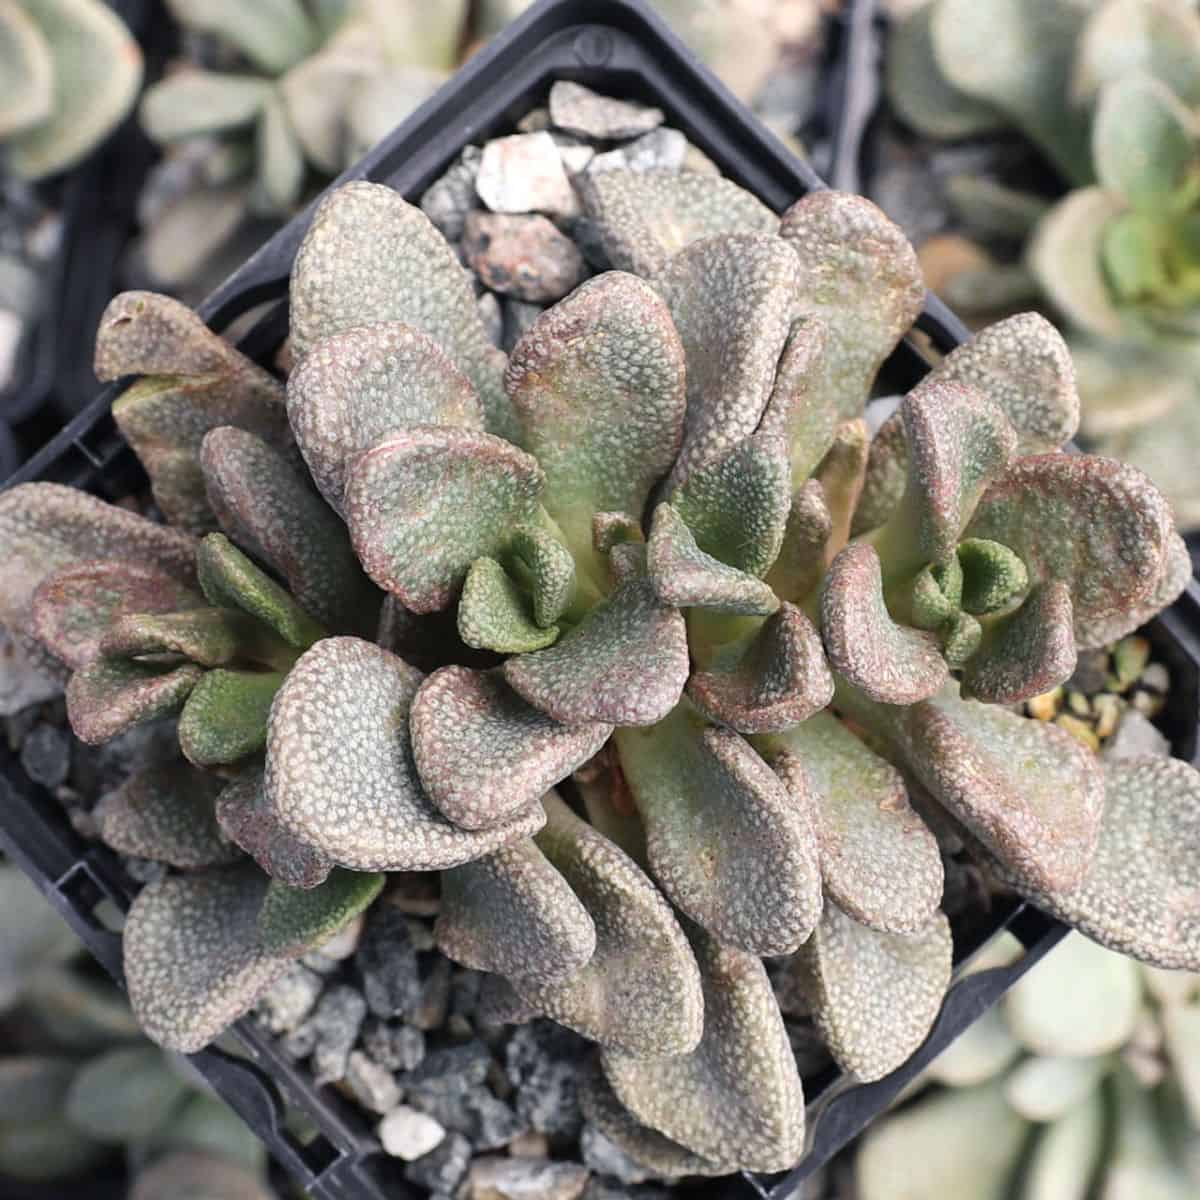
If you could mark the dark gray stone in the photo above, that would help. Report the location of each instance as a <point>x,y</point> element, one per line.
<point>447,200</point>
<point>46,755</point>
<point>387,959</point>
<point>542,1061</point>
<point>430,1011</point>
<point>337,1020</point>
<point>518,317</point>
<point>444,1167</point>
<point>452,1068</point>
<point>486,1121</point>
<point>394,1046</point>
<point>290,999</point>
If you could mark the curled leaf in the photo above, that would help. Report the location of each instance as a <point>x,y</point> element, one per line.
<point>493,612</point>
<point>801,560</point>
<point>547,569</point>
<point>293,921</point>
<point>111,695</point>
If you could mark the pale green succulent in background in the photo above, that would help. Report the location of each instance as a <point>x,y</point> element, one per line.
<point>69,73</point>
<point>1108,92</point>
<point>78,1080</point>
<point>1084,1081</point>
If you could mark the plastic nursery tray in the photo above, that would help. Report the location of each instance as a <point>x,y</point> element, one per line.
<point>619,47</point>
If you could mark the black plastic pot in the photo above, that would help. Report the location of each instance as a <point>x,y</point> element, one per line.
<point>621,48</point>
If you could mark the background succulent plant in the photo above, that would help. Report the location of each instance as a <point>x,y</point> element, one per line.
<point>1107,93</point>
<point>1085,1078</point>
<point>408,596</point>
<point>69,73</point>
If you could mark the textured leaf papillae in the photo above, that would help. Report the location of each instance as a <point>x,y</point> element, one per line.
<point>723,837</point>
<point>293,921</point>
<point>736,1098</point>
<point>640,991</point>
<point>483,754</point>
<point>340,774</point>
<point>425,503</point>
<point>512,913</point>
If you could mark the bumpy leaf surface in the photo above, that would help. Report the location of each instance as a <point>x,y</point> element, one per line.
<point>801,560</point>
<point>111,695</point>
<point>224,719</point>
<point>293,921</point>
<point>494,614</point>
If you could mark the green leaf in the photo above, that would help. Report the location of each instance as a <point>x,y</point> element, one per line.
<point>27,69</point>
<point>347,702</point>
<point>885,479</point>
<point>485,756</point>
<point>981,1052</point>
<point>279,180</point>
<point>768,681</point>
<point>640,990</point>
<point>124,1095</point>
<point>165,813</point>
<point>1134,252</point>
<point>889,662</point>
<point>992,576</point>
<point>210,637</point>
<point>337,285</point>
<point>511,912</point>
<point>493,612</point>
<point>547,569</point>
<point>736,1098</point>
<point>1066,1157</point>
<point>193,959</point>
<point>860,275</point>
<point>293,921</point>
<point>724,839</point>
<point>96,73</point>
<point>193,381</point>
<point>598,385</point>
<point>73,609</point>
<point>801,560</point>
<point>625,664</point>
<point>188,1175</point>
<point>1049,1088</point>
<point>356,387</point>
<point>225,718</point>
<point>645,217</point>
<point>874,996</point>
<point>265,505</point>
<point>192,102</point>
<point>990,209</point>
<point>111,695</point>
<point>272,34</point>
<point>425,503</point>
<point>879,863</point>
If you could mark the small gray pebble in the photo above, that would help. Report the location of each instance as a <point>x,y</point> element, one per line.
<point>491,316</point>
<point>664,149</point>
<point>447,200</point>
<point>1135,736</point>
<point>430,1011</point>
<point>290,999</point>
<point>408,1134</point>
<point>337,1019</point>
<point>522,256</point>
<point>578,109</point>
<point>394,1046</point>
<point>444,1167</point>
<point>528,1178</point>
<point>387,959</point>
<point>605,1157</point>
<point>373,1086</point>
<point>46,755</point>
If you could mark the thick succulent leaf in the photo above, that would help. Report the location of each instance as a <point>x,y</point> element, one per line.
<point>272,34</point>
<point>937,1147</point>
<point>340,775</point>
<point>193,381</point>
<point>1181,1029</point>
<point>841,474</point>
<point>874,996</point>
<point>265,505</point>
<point>611,529</point>
<point>224,719</point>
<point>96,71</point>
<point>1017,57</point>
<point>993,577</point>
<point>247,819</point>
<point>625,664</point>
<point>860,275</point>
<point>111,695</point>
<point>337,285</point>
<point>981,1052</point>
<point>483,754</point>
<point>1123,37</point>
<point>1123,390</point>
<point>195,1175</point>
<point>645,217</point>
<point>124,1095</point>
<point>775,678</point>
<point>165,813</point>
<point>1027,789</point>
<point>1065,256</point>
<point>885,479</point>
<point>801,560</point>
<point>685,576</point>
<point>644,1145</point>
<point>46,526</point>
<point>733,299</point>
<point>426,502</point>
<point>231,580</point>
<point>1176,575</point>
<point>358,386</point>
<point>211,637</point>
<point>293,921</point>
<point>1065,1158</point>
<point>737,505</point>
<point>800,409</point>
<point>192,102</point>
<point>960,640</point>
<point>73,608</point>
<point>493,612</point>
<point>546,568</point>
<point>598,385</point>
<point>990,209</point>
<point>921,94</point>
<point>280,166</point>
<point>1144,142</point>
<point>1138,896</point>
<point>879,862</point>
<point>1027,653</point>
<point>640,991</point>
<point>736,1098</point>
<point>1140,1165</point>
<point>1040,504</point>
<point>1080,1002</point>
<point>888,662</point>
<point>512,913</point>
<point>725,841</point>
<point>194,962</point>
<point>27,70</point>
<point>1047,1088</point>
<point>958,444</point>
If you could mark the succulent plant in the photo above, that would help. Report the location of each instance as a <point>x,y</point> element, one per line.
<point>69,73</point>
<point>1084,1077</point>
<point>1107,92</point>
<point>297,91</point>
<point>621,561</point>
